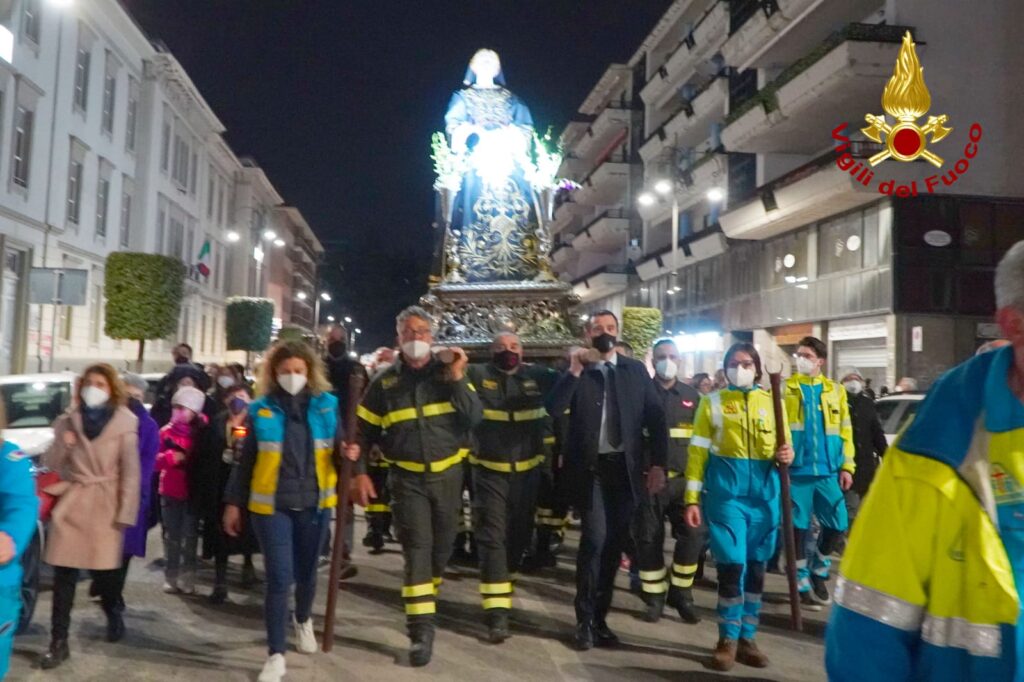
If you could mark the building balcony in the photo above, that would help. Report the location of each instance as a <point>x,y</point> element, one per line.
<point>690,125</point>
<point>563,257</point>
<point>607,184</point>
<point>608,232</point>
<point>692,248</point>
<point>695,50</point>
<point>567,215</point>
<point>839,81</point>
<point>302,267</point>
<point>762,26</point>
<point>604,281</point>
<point>607,129</point>
<point>804,32</point>
<point>811,192</point>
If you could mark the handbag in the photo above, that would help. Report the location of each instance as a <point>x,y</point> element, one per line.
<point>49,487</point>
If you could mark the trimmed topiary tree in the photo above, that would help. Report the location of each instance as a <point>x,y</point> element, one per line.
<point>143,292</point>
<point>640,327</point>
<point>290,333</point>
<point>249,322</point>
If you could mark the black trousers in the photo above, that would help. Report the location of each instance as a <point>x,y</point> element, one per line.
<point>108,583</point>
<point>650,539</point>
<point>426,508</point>
<point>605,530</point>
<point>503,523</point>
<point>378,513</point>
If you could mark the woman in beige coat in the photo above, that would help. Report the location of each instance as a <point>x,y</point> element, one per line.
<point>95,452</point>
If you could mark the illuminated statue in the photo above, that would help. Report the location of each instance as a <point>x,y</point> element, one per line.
<point>499,172</point>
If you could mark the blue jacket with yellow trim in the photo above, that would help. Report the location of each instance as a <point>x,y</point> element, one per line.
<point>926,588</point>
<point>835,450</point>
<point>19,507</point>
<point>732,450</point>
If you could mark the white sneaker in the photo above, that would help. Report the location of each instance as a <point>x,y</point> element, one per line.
<point>273,669</point>
<point>304,636</point>
<point>170,588</point>
<point>187,583</point>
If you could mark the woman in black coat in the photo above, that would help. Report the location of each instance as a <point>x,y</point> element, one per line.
<point>216,457</point>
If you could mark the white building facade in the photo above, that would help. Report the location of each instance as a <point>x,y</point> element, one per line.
<point>107,145</point>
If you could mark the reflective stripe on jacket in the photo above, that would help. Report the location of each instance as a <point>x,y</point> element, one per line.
<point>268,422</point>
<point>732,450</point>
<point>837,451</point>
<point>926,588</point>
<point>514,419</point>
<point>419,418</point>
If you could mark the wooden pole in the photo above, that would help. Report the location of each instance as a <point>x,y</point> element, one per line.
<point>356,383</point>
<point>787,505</point>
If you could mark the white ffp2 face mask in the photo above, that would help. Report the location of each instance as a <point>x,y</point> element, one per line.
<point>416,350</point>
<point>740,377</point>
<point>806,366</point>
<point>225,381</point>
<point>854,386</point>
<point>666,369</point>
<point>292,383</point>
<point>94,397</point>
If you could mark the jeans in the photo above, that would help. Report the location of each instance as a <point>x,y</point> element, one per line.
<point>181,532</point>
<point>291,541</point>
<point>64,582</point>
<point>606,530</point>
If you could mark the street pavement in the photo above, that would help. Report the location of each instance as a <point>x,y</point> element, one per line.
<point>173,637</point>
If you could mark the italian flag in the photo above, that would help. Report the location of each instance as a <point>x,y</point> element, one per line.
<point>203,264</point>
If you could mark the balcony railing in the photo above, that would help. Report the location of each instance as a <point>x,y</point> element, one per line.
<point>610,213</point>
<point>610,269</point>
<point>766,96</point>
<point>682,104</point>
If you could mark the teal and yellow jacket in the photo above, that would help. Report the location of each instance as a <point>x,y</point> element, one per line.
<point>19,507</point>
<point>818,453</point>
<point>732,450</point>
<point>928,583</point>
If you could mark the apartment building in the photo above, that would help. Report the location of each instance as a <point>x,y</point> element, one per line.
<point>740,100</point>
<point>293,281</point>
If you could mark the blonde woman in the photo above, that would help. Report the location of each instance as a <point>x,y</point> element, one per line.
<point>95,449</point>
<point>287,479</point>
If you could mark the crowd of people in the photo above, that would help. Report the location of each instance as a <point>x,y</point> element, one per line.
<point>256,470</point>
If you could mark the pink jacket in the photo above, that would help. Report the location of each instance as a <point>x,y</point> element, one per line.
<point>177,438</point>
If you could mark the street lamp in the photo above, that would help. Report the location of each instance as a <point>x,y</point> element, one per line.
<point>232,236</point>
<point>269,235</point>
<point>348,320</point>
<point>301,295</point>
<point>330,318</point>
<point>278,242</point>
<point>716,194</point>
<point>326,297</point>
<point>355,333</point>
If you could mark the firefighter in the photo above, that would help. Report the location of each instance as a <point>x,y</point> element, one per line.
<point>680,402</point>
<point>929,587</point>
<point>732,463</point>
<point>506,470</point>
<point>420,411</point>
<point>819,417</point>
<point>552,514</point>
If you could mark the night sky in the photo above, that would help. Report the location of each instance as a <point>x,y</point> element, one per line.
<point>337,99</point>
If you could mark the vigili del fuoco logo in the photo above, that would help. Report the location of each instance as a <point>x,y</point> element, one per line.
<point>905,99</point>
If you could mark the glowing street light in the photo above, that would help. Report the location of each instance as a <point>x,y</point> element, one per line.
<point>232,236</point>
<point>716,194</point>
<point>301,295</point>
<point>663,187</point>
<point>348,319</point>
<point>278,242</point>
<point>358,331</point>
<point>330,318</point>
<point>325,296</point>
<point>270,235</point>
<point>646,199</point>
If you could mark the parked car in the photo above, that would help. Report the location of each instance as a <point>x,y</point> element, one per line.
<point>32,402</point>
<point>896,411</point>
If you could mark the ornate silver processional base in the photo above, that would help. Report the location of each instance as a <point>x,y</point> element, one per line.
<point>470,314</point>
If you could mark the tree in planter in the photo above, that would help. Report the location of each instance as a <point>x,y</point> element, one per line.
<point>640,327</point>
<point>143,292</point>
<point>249,322</point>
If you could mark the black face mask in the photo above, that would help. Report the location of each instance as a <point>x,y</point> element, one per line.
<point>603,343</point>
<point>336,349</point>
<point>180,360</point>
<point>506,360</point>
<point>237,406</point>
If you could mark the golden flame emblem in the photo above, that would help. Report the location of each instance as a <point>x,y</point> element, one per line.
<point>906,98</point>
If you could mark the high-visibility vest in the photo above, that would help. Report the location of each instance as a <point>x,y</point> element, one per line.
<point>268,422</point>
<point>838,429</point>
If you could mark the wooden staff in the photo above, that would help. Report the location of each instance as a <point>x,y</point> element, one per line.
<point>356,383</point>
<point>787,505</point>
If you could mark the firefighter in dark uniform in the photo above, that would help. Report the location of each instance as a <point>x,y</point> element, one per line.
<point>552,510</point>
<point>378,512</point>
<point>680,402</point>
<point>507,462</point>
<point>421,412</point>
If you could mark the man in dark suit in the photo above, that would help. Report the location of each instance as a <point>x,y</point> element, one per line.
<point>611,402</point>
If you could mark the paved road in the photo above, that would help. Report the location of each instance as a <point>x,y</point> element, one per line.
<point>185,638</point>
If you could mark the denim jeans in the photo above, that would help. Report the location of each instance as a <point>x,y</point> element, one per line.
<point>181,530</point>
<point>290,540</point>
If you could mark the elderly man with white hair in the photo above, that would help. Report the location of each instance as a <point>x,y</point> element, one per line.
<point>929,586</point>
